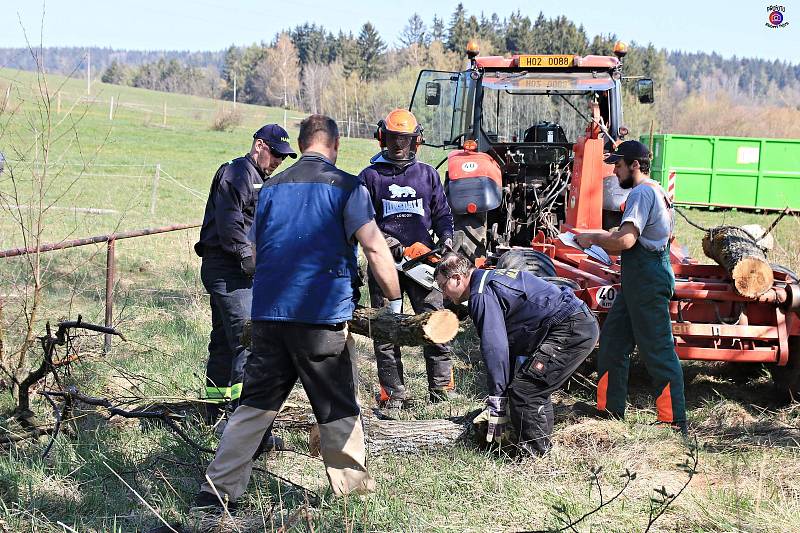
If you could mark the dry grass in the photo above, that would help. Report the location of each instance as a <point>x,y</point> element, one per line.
<point>749,454</point>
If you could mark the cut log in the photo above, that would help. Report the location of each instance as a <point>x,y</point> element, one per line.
<point>745,261</point>
<point>433,327</point>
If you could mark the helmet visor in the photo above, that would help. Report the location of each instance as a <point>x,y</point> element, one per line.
<point>398,147</point>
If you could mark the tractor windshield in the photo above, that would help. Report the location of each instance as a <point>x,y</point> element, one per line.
<point>514,103</point>
<point>443,104</point>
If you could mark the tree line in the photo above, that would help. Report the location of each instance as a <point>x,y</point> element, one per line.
<point>359,77</point>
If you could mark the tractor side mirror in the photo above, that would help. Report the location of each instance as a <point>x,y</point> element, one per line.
<point>644,90</point>
<point>433,93</point>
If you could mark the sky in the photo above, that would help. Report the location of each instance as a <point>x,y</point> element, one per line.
<point>736,27</point>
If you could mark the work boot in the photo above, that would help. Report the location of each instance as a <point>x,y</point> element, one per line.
<point>399,398</point>
<point>207,502</point>
<point>591,411</point>
<point>677,427</point>
<point>211,412</point>
<point>269,443</point>
<point>443,394</point>
<point>526,449</point>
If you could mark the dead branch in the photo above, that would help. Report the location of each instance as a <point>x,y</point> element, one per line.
<point>48,364</point>
<point>167,416</point>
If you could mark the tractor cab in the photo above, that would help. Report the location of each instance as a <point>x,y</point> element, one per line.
<point>527,137</point>
<point>517,126</point>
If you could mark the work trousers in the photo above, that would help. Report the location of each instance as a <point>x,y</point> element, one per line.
<point>538,376</point>
<point>231,292</point>
<point>640,317</point>
<point>438,364</point>
<point>323,357</point>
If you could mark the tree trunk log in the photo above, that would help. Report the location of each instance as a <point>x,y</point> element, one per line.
<point>737,251</point>
<point>410,436</point>
<point>396,436</point>
<point>433,327</point>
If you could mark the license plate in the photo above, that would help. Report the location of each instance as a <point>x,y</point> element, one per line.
<point>546,61</point>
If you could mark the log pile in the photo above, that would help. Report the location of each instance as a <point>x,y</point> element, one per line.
<point>742,257</point>
<point>434,327</point>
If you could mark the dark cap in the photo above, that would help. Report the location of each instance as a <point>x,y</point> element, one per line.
<point>277,139</point>
<point>628,150</point>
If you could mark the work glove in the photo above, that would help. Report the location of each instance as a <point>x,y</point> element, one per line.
<point>248,266</point>
<point>447,245</point>
<point>496,406</point>
<point>395,247</point>
<point>396,305</point>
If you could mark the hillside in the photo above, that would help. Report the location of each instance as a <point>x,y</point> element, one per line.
<point>119,474</point>
<point>121,154</point>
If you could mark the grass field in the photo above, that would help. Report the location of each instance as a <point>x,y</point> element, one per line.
<point>748,449</point>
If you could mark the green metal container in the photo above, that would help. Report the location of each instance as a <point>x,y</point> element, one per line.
<point>729,171</point>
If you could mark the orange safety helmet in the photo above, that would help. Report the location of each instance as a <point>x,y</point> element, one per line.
<point>399,122</point>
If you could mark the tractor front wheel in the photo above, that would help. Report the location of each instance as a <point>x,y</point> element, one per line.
<point>470,235</point>
<point>533,261</point>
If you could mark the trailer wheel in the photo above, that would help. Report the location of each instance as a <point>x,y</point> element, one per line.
<point>469,237</point>
<point>788,271</point>
<point>532,261</point>
<point>787,378</point>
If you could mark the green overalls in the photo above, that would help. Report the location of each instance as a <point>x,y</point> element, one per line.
<point>640,316</point>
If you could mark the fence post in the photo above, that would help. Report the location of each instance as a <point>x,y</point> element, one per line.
<point>8,95</point>
<point>154,194</point>
<point>110,274</point>
<point>164,123</point>
<point>111,109</point>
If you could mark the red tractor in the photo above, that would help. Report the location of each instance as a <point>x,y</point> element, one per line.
<point>528,134</point>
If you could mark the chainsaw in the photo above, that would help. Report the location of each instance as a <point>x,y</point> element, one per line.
<point>418,262</point>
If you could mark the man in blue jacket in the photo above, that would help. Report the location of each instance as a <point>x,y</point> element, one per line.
<point>410,204</point>
<point>227,260</point>
<point>534,335</point>
<point>309,221</point>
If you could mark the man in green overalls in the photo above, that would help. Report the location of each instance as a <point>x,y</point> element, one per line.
<point>640,313</point>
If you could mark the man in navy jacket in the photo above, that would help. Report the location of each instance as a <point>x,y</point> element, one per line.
<point>409,203</point>
<point>227,265</point>
<point>534,335</point>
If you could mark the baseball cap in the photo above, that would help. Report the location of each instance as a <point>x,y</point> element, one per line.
<point>628,150</point>
<point>277,139</point>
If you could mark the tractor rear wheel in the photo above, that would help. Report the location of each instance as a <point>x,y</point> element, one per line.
<point>787,378</point>
<point>469,237</point>
<point>562,282</point>
<point>532,261</point>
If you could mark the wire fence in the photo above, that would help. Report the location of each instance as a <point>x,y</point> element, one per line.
<point>111,105</point>
<point>154,173</point>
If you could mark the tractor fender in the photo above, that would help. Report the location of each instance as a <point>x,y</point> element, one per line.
<point>474,182</point>
<point>463,164</point>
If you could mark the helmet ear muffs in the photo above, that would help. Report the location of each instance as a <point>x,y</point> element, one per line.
<point>379,133</point>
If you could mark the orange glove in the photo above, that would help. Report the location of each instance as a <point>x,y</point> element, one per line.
<point>415,250</point>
